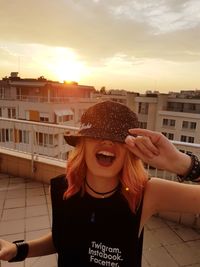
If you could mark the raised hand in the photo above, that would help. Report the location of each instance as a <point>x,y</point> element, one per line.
<point>156,150</point>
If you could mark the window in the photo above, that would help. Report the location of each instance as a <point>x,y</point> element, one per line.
<point>183,138</point>
<point>44,117</point>
<point>143,125</point>
<point>47,140</point>
<point>185,124</point>
<point>165,121</point>
<point>2,135</point>
<point>23,136</point>
<point>143,108</point>
<point>67,118</point>
<point>6,135</point>
<point>170,136</point>
<point>189,125</point>
<point>12,113</point>
<point>172,122</point>
<point>169,122</point>
<point>11,135</point>
<point>192,106</point>
<point>0,112</point>
<point>188,139</point>
<point>193,125</point>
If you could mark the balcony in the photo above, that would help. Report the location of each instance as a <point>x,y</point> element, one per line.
<point>45,99</point>
<point>25,209</point>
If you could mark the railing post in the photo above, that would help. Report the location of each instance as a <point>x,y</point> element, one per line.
<point>32,149</point>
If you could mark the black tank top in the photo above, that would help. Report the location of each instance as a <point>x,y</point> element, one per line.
<point>94,232</point>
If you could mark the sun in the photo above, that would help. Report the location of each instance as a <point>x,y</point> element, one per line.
<point>68,70</point>
<point>66,66</point>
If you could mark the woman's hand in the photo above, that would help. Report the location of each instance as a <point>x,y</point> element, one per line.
<point>156,150</point>
<point>8,250</point>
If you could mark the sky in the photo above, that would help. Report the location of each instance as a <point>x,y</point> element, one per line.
<point>134,45</point>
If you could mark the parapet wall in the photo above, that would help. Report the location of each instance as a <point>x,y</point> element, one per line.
<point>43,169</point>
<point>22,165</point>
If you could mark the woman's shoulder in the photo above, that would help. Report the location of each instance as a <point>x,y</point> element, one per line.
<point>59,181</point>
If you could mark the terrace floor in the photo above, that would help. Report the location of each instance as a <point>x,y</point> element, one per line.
<point>25,213</point>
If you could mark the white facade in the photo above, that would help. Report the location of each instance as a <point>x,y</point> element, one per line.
<point>176,117</point>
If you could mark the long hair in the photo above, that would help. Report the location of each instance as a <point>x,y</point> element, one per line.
<point>133,175</point>
<point>134,178</point>
<point>76,169</point>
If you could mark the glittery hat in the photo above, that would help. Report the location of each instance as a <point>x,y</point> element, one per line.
<point>106,120</point>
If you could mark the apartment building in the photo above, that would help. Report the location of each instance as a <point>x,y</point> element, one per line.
<point>44,101</point>
<point>176,115</point>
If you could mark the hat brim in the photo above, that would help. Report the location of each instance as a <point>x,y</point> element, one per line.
<point>72,140</point>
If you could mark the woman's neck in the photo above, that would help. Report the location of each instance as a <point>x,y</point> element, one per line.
<point>101,186</point>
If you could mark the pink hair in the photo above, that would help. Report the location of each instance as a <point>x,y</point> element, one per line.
<point>76,170</point>
<point>133,178</point>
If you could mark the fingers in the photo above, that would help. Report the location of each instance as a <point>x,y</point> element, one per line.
<point>7,250</point>
<point>142,146</point>
<point>154,136</point>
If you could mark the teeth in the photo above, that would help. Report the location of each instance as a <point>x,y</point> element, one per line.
<point>106,153</point>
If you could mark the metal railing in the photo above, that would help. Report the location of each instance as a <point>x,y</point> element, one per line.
<point>45,99</point>
<point>35,138</point>
<point>47,140</point>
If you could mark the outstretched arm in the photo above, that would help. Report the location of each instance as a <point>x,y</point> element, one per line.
<point>37,247</point>
<point>156,150</point>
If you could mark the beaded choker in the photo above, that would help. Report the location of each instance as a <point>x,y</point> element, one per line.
<point>102,193</point>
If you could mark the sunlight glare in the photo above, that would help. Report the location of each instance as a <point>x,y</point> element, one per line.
<point>66,66</point>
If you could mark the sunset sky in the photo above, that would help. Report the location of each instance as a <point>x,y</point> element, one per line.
<point>135,45</point>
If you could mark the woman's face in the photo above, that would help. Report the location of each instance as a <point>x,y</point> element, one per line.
<point>104,158</point>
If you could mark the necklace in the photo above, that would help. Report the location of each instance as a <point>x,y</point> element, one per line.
<point>101,193</point>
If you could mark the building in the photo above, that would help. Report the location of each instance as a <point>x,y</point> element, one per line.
<point>46,102</point>
<point>176,115</point>
<point>41,101</point>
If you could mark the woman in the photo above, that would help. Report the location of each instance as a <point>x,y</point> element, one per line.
<point>101,206</point>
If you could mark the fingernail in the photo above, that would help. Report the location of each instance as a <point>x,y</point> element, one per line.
<point>130,140</point>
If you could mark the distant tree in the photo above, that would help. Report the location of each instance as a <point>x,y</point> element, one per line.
<point>42,78</point>
<point>103,90</point>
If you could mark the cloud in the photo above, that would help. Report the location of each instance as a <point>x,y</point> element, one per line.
<point>101,29</point>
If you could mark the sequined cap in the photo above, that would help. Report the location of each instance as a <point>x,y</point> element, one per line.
<point>106,120</point>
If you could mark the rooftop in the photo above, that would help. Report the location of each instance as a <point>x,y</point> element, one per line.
<point>25,213</point>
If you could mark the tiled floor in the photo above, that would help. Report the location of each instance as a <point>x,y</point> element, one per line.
<point>25,213</point>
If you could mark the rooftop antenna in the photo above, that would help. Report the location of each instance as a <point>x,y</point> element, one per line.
<point>19,64</point>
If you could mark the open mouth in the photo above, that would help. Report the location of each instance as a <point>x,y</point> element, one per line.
<point>105,158</point>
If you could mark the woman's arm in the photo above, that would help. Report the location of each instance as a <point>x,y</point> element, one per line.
<point>162,195</point>
<point>169,196</point>
<point>37,247</point>
<point>41,246</point>
<point>156,150</point>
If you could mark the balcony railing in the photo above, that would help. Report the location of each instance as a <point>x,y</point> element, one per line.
<point>35,138</point>
<point>44,99</point>
<point>46,140</point>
